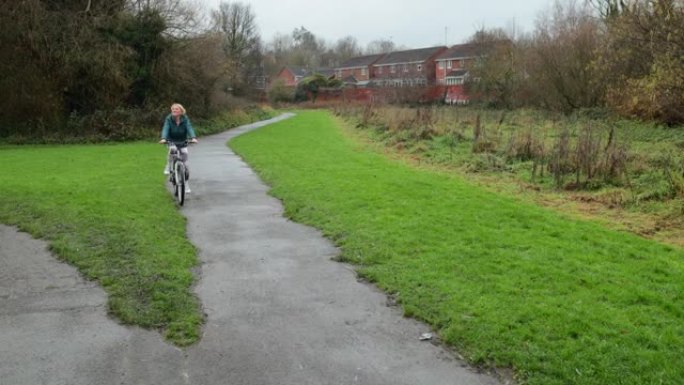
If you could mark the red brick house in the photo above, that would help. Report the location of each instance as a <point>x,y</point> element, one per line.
<point>451,70</point>
<point>452,65</point>
<point>357,70</point>
<point>292,75</point>
<point>407,68</point>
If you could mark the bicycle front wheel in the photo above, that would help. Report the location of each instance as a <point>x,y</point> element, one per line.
<point>179,188</point>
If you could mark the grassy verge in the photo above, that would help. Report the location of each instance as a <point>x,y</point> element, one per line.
<point>234,118</point>
<point>104,208</point>
<point>505,282</point>
<point>625,173</point>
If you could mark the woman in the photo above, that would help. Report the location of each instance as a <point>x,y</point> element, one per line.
<point>177,130</point>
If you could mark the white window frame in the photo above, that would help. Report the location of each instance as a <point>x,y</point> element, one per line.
<point>393,68</point>
<point>449,64</point>
<point>455,80</point>
<point>419,67</point>
<point>440,65</point>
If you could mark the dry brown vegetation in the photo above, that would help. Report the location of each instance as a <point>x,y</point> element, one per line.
<point>623,54</point>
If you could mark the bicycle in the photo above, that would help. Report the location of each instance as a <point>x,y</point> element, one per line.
<point>179,172</point>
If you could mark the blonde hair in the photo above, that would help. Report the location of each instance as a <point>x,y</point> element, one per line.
<point>179,106</point>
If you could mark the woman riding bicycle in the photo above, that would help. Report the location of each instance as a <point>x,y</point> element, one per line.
<point>177,130</point>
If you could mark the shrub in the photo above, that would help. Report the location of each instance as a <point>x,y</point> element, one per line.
<point>280,93</point>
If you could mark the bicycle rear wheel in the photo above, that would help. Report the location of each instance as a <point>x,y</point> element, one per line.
<point>179,188</point>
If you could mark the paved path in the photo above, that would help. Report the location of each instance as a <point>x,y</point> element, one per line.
<point>279,311</point>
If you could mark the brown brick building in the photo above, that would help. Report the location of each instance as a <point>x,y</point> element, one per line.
<point>452,65</point>
<point>407,68</point>
<point>357,70</point>
<point>292,75</point>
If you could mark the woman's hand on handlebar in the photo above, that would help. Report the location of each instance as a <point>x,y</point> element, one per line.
<point>163,141</point>
<point>193,140</point>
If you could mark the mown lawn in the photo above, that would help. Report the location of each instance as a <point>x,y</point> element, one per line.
<point>507,283</point>
<point>625,173</point>
<point>105,209</point>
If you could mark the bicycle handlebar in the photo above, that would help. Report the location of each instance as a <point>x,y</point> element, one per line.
<point>186,142</point>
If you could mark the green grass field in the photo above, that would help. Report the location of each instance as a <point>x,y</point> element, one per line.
<point>105,209</point>
<point>506,283</point>
<point>636,183</point>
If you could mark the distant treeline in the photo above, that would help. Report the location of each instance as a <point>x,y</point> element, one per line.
<point>106,65</point>
<point>624,54</point>
<point>79,65</point>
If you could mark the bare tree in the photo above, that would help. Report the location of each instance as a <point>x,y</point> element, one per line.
<point>345,48</point>
<point>563,50</point>
<point>181,17</point>
<point>498,73</point>
<point>302,48</point>
<point>278,52</point>
<point>191,73</point>
<point>308,50</point>
<point>241,41</point>
<point>380,46</point>
<point>609,8</point>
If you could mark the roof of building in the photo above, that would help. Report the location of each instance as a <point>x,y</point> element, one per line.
<point>327,72</point>
<point>304,72</point>
<point>360,61</point>
<point>298,71</point>
<point>461,51</point>
<point>410,56</point>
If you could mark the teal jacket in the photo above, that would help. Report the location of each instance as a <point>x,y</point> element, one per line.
<point>177,133</point>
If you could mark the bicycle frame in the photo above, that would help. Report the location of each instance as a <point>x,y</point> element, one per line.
<point>178,173</point>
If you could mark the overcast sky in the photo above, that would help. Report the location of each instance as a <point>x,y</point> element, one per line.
<point>411,23</point>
